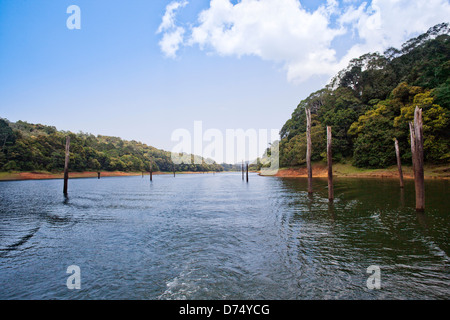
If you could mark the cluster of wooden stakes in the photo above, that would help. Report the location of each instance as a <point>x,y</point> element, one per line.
<point>416,131</point>
<point>66,168</point>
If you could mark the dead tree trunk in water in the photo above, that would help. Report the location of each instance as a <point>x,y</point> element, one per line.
<point>419,173</point>
<point>417,155</point>
<point>308,149</point>
<point>247,171</point>
<point>399,163</point>
<point>151,170</point>
<point>413,145</point>
<point>330,165</point>
<point>66,165</point>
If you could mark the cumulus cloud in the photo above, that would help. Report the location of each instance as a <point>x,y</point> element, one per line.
<point>298,39</point>
<point>275,30</point>
<point>172,34</point>
<point>171,41</point>
<point>386,23</point>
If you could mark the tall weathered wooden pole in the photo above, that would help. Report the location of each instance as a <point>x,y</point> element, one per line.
<point>151,170</point>
<point>417,156</point>
<point>98,174</point>
<point>330,165</point>
<point>419,173</point>
<point>399,163</point>
<point>413,145</point>
<point>308,149</point>
<point>247,171</point>
<point>242,170</point>
<point>66,165</point>
<point>173,168</point>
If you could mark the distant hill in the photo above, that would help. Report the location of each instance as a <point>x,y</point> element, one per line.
<point>36,147</point>
<point>370,103</point>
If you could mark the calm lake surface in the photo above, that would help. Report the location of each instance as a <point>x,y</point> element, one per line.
<point>211,236</point>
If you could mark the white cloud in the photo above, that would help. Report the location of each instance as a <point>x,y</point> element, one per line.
<point>173,35</point>
<point>171,41</point>
<point>301,40</point>
<point>389,23</point>
<point>274,30</point>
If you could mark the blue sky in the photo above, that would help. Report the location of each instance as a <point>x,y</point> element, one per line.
<point>239,64</point>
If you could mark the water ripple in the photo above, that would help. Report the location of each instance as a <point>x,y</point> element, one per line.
<point>217,237</point>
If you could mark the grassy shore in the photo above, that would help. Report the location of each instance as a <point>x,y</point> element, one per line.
<point>346,170</point>
<point>39,175</point>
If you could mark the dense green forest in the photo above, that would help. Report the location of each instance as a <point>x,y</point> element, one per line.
<point>36,147</point>
<point>370,103</point>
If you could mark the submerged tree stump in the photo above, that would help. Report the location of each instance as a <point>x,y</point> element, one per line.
<point>151,170</point>
<point>416,131</point>
<point>413,144</point>
<point>66,165</point>
<point>247,171</point>
<point>399,163</point>
<point>308,149</point>
<point>330,165</point>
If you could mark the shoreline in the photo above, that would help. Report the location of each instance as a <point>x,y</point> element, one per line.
<point>320,170</point>
<point>20,176</point>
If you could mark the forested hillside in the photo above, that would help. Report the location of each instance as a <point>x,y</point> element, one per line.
<point>370,103</point>
<point>36,147</point>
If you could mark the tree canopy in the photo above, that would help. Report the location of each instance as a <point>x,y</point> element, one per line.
<point>35,147</point>
<point>370,103</point>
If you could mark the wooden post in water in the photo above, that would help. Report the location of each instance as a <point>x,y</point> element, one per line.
<point>308,149</point>
<point>98,175</point>
<point>173,167</point>
<point>242,170</point>
<point>399,163</point>
<point>417,155</point>
<point>413,145</point>
<point>330,165</point>
<point>151,170</point>
<point>66,165</point>
<point>247,171</point>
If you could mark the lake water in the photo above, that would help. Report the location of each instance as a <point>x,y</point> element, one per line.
<point>211,236</point>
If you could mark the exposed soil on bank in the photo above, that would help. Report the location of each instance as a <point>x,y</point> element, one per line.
<point>319,171</point>
<point>12,176</point>
<point>344,170</point>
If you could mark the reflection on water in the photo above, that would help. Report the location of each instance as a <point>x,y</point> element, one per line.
<point>217,237</point>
